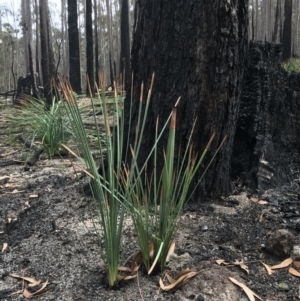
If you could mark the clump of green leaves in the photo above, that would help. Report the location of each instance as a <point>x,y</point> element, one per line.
<point>50,126</point>
<point>106,188</point>
<point>156,198</point>
<point>291,65</point>
<point>153,198</point>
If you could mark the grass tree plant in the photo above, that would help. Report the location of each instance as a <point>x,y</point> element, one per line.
<point>48,127</point>
<point>106,188</point>
<point>154,198</point>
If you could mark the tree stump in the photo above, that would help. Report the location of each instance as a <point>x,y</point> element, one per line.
<point>266,144</point>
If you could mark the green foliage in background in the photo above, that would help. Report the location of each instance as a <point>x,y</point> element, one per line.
<point>291,65</point>
<point>48,127</point>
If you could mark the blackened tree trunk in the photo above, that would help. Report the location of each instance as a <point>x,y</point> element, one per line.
<point>110,43</point>
<point>64,43</point>
<point>37,42</point>
<point>33,74</point>
<point>97,67</point>
<point>74,54</point>
<point>256,20</point>
<point>89,46</point>
<point>266,148</point>
<point>26,29</point>
<point>200,58</point>
<point>47,57</point>
<point>287,30</point>
<point>276,24</point>
<point>125,43</point>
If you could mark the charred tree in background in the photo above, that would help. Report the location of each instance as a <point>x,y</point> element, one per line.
<point>276,23</point>
<point>125,43</point>
<point>64,42</point>
<point>287,30</point>
<point>96,43</point>
<point>27,31</point>
<point>74,54</point>
<point>256,19</point>
<point>37,42</point>
<point>200,58</point>
<point>89,46</point>
<point>110,43</point>
<point>47,57</point>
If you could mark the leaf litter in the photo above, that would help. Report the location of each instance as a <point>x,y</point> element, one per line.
<point>30,282</point>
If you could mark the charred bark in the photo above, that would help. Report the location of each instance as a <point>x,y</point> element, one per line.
<point>74,54</point>
<point>89,47</point>
<point>287,30</point>
<point>125,43</point>
<point>266,147</point>
<point>47,57</point>
<point>200,58</point>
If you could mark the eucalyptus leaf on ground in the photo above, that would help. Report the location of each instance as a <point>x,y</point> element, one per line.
<point>181,279</point>
<point>283,264</point>
<point>246,289</point>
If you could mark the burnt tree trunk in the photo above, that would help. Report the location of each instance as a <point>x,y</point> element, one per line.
<point>89,47</point>
<point>74,54</point>
<point>45,63</point>
<point>200,58</point>
<point>287,30</point>
<point>276,23</point>
<point>97,67</point>
<point>266,147</point>
<point>125,43</point>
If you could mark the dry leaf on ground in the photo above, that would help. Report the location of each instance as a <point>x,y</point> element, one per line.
<point>242,265</point>
<point>246,289</point>
<point>33,196</point>
<point>32,281</point>
<point>296,264</point>
<point>283,264</point>
<point>181,279</point>
<point>257,201</point>
<point>222,262</point>
<point>268,268</point>
<point>125,277</point>
<point>39,292</point>
<point>294,272</point>
<point>16,191</point>
<point>5,245</point>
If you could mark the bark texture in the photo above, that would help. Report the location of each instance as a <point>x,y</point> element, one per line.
<point>89,47</point>
<point>47,57</point>
<point>197,51</point>
<point>287,30</point>
<point>266,147</point>
<point>125,43</point>
<point>74,54</point>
